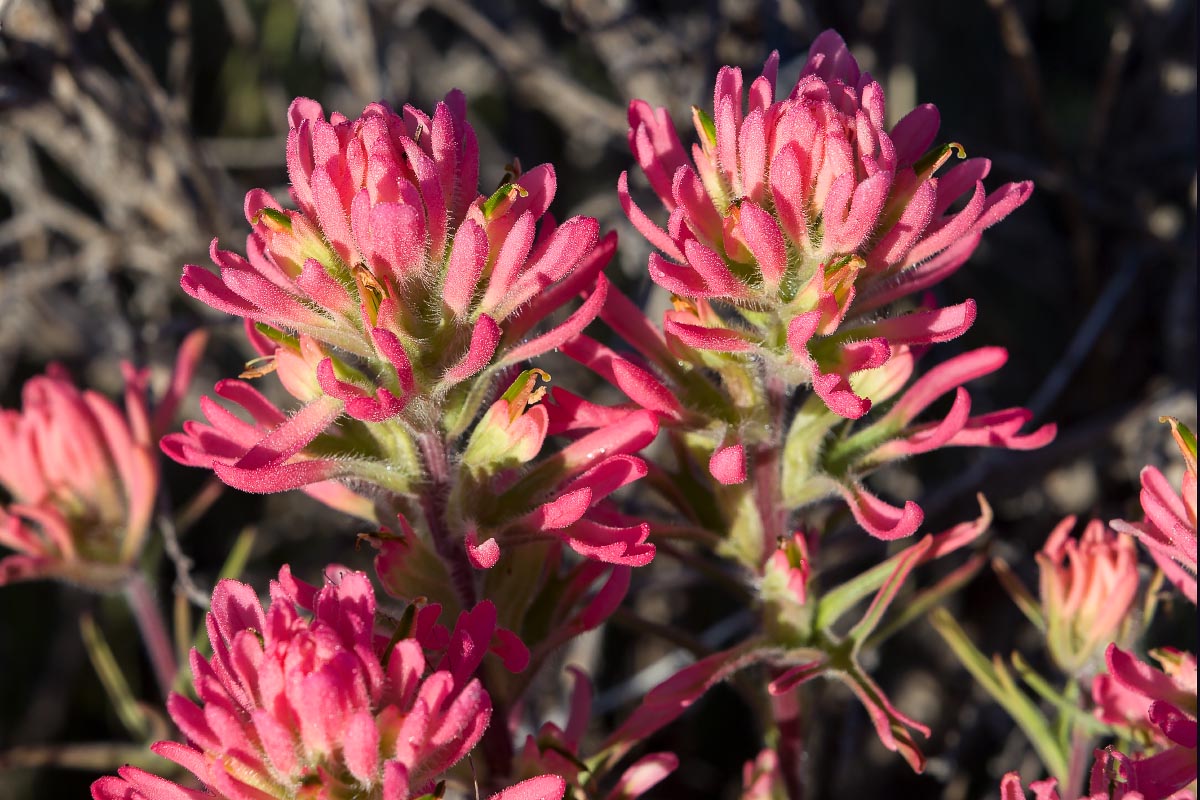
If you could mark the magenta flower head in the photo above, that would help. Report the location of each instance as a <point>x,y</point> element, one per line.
<point>800,219</point>
<point>306,700</point>
<point>791,230</point>
<point>392,294</point>
<point>1169,530</point>
<point>82,475</point>
<point>1087,588</point>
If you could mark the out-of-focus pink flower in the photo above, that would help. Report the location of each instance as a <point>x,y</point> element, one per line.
<point>1169,530</point>
<point>299,706</point>
<point>806,216</point>
<point>1087,588</point>
<point>82,476</point>
<point>392,287</point>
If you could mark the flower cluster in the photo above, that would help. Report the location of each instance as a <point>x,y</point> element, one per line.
<point>1088,589</point>
<point>392,295</point>
<point>293,705</point>
<point>792,230</point>
<point>803,217</point>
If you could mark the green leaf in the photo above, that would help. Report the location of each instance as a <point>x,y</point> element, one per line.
<point>995,678</point>
<point>113,679</point>
<point>836,602</point>
<point>1070,710</point>
<point>927,599</point>
<point>1019,594</point>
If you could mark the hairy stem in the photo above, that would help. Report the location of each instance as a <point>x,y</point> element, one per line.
<point>154,631</point>
<point>768,488</point>
<point>790,749</point>
<point>433,506</point>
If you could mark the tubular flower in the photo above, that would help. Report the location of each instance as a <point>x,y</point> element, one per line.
<point>82,476</point>
<point>1087,588</point>
<point>387,295</point>
<point>1169,530</point>
<point>802,218</point>
<point>296,706</point>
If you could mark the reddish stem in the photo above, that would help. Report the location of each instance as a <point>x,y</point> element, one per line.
<point>154,631</point>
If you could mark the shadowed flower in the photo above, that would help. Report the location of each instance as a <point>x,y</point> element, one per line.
<point>81,476</point>
<point>1087,588</point>
<point>322,706</point>
<point>802,218</point>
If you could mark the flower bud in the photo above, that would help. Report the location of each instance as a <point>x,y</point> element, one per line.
<point>1087,588</point>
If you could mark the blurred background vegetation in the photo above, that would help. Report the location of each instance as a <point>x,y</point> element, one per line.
<point>130,129</point>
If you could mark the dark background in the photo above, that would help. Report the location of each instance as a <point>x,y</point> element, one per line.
<point>130,131</point>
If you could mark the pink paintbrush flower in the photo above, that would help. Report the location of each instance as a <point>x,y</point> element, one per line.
<point>390,290</point>
<point>805,649</point>
<point>82,476</point>
<point>307,699</point>
<point>1160,702</point>
<point>1169,529</point>
<point>803,217</point>
<point>1087,589</point>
